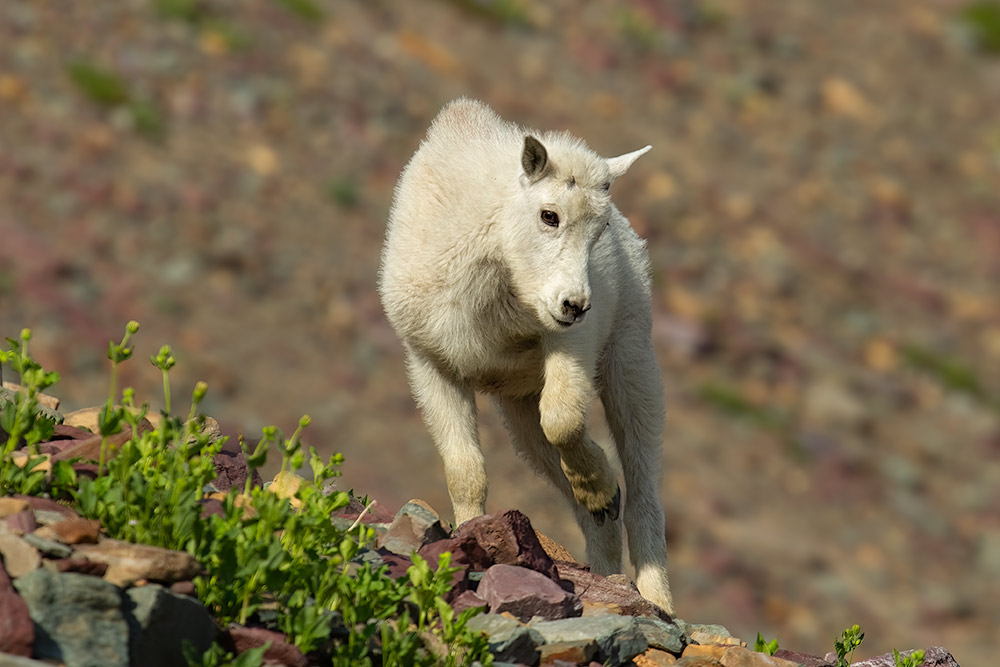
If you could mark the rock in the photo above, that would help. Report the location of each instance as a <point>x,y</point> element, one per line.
<point>698,661</point>
<point>556,551</point>
<point>802,658</point>
<point>595,589</point>
<point>17,630</point>
<point>573,652</point>
<point>46,509</point>
<point>525,593</point>
<point>21,522</point>
<point>44,400</point>
<point>79,619</point>
<point>738,656</point>
<point>19,557</point>
<point>72,531</point>
<point>654,657</point>
<point>509,539</point>
<point>467,600</point>
<point>16,661</point>
<point>714,651</point>
<point>376,514</point>
<point>413,527</point>
<point>81,565</point>
<point>699,633</point>
<point>280,652</point>
<point>9,506</point>
<point>935,656</point>
<point>48,547</point>
<point>159,623</point>
<point>660,634</point>
<point>398,565</point>
<point>509,639</point>
<point>231,468</point>
<point>285,485</point>
<point>128,563</point>
<point>618,638</point>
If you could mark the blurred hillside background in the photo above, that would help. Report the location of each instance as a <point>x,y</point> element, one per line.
<point>822,207</point>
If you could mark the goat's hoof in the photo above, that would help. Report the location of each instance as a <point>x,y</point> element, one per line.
<point>611,510</point>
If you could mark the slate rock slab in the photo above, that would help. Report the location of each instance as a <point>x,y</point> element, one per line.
<point>525,593</point>
<point>509,640</point>
<point>618,637</point>
<point>78,619</point>
<point>160,621</point>
<point>595,589</point>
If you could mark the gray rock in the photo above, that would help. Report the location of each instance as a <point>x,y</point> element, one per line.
<point>525,593</point>
<point>618,637</point>
<point>47,546</point>
<point>803,659</point>
<point>509,640</point>
<point>160,622</point>
<point>413,527</point>
<point>660,634</point>
<point>78,619</point>
<point>17,661</point>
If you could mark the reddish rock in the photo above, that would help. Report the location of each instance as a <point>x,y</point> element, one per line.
<point>80,565</point>
<point>398,565</point>
<point>526,593</point>
<point>467,600</point>
<point>935,656</point>
<point>573,652</point>
<point>21,522</point>
<point>509,539</point>
<point>17,630</point>
<point>184,588</point>
<point>231,468</point>
<point>375,514</point>
<point>280,652</point>
<point>37,503</point>
<point>802,658</point>
<point>594,589</point>
<point>72,531</point>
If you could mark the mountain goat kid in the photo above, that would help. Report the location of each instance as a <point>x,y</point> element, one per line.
<point>506,269</point>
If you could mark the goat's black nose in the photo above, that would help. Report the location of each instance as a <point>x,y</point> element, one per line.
<point>575,308</point>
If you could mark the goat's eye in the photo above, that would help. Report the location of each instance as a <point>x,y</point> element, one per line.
<point>550,218</point>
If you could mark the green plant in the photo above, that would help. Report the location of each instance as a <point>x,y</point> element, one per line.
<point>913,659</point>
<point>271,555</point>
<point>22,420</point>
<point>849,640</point>
<point>109,90</point>
<point>216,656</point>
<point>982,19</point>
<point>761,646</point>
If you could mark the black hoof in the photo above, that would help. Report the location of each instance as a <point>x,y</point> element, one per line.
<point>612,510</point>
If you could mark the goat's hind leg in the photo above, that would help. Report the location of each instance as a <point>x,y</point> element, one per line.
<point>523,421</point>
<point>632,394</point>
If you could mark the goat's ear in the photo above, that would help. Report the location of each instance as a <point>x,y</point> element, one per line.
<point>617,166</point>
<point>534,158</point>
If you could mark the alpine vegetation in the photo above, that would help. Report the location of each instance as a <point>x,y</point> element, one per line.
<point>507,270</point>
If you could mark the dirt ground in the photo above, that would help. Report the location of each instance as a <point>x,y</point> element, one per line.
<point>822,206</point>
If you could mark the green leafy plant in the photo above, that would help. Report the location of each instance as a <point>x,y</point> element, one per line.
<point>850,639</point>
<point>109,90</point>
<point>982,19</point>
<point>23,421</point>
<point>912,659</point>
<point>770,648</point>
<point>271,556</point>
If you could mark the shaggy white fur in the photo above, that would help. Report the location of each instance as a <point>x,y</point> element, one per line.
<point>506,269</point>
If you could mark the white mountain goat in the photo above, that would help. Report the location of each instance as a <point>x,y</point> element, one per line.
<point>506,269</point>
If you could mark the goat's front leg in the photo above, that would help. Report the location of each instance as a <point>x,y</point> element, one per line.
<point>449,410</point>
<point>563,406</point>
